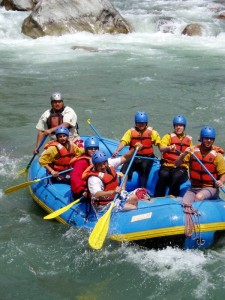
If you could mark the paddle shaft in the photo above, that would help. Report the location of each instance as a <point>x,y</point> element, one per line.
<point>204,167</point>
<point>98,234</point>
<point>147,158</point>
<point>98,135</point>
<point>127,171</point>
<point>25,184</point>
<point>40,145</point>
<point>128,168</point>
<point>207,171</point>
<point>49,176</point>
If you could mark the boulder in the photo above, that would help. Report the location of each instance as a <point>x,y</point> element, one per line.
<point>20,5</point>
<point>193,29</point>
<point>221,16</point>
<point>58,17</point>
<point>86,48</point>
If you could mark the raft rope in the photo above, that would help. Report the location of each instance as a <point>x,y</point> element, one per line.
<point>192,221</point>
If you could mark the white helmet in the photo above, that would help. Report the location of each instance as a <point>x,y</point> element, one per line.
<point>56,96</point>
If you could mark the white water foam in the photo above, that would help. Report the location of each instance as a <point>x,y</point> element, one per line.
<point>144,16</point>
<point>8,164</point>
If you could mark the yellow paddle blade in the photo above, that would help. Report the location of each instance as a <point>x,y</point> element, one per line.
<point>23,171</point>
<point>98,235</point>
<point>20,186</point>
<point>88,121</point>
<point>60,211</point>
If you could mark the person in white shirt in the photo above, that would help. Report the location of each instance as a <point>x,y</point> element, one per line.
<point>52,118</point>
<point>102,181</point>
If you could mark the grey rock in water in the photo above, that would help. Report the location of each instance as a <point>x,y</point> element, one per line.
<point>58,17</point>
<point>86,48</point>
<point>20,5</point>
<point>221,16</point>
<point>193,30</point>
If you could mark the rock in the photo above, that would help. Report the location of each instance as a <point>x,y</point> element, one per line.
<point>193,29</point>
<point>90,49</point>
<point>20,5</point>
<point>58,17</point>
<point>221,16</point>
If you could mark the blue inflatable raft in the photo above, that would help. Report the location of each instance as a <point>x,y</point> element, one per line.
<point>156,223</point>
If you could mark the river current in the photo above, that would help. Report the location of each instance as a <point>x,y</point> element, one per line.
<point>162,73</point>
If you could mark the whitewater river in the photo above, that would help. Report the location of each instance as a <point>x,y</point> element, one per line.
<point>164,74</point>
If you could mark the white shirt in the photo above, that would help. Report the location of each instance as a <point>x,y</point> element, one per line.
<point>95,184</point>
<point>69,116</point>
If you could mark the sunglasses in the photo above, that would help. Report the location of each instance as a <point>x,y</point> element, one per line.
<point>92,148</point>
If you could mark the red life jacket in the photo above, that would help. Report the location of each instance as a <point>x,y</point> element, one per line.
<point>181,145</point>
<point>145,138</point>
<point>63,162</point>
<point>198,176</point>
<point>55,119</point>
<point>110,182</point>
<point>78,184</point>
<point>83,156</point>
<point>216,148</point>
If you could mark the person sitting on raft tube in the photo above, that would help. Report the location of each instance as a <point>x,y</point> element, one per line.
<point>148,137</point>
<point>171,145</point>
<point>80,164</point>
<point>58,154</point>
<point>57,115</point>
<point>103,183</point>
<point>202,185</point>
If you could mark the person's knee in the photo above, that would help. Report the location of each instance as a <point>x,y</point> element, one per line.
<point>132,199</point>
<point>199,197</point>
<point>129,206</point>
<point>164,178</point>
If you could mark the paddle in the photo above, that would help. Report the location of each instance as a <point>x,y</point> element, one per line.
<point>203,166</point>
<point>207,171</point>
<point>146,157</point>
<point>60,211</point>
<point>98,135</point>
<point>101,139</point>
<point>98,234</point>
<point>25,184</point>
<point>30,162</point>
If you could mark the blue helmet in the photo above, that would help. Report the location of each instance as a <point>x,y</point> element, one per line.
<point>91,142</point>
<point>99,157</point>
<point>181,120</point>
<point>207,132</point>
<point>141,117</point>
<point>62,130</point>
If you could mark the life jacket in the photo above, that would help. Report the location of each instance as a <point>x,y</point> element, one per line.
<point>198,176</point>
<point>145,138</point>
<point>216,148</point>
<point>83,156</point>
<point>78,182</point>
<point>55,118</point>
<point>63,162</point>
<point>170,156</point>
<point>110,182</point>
